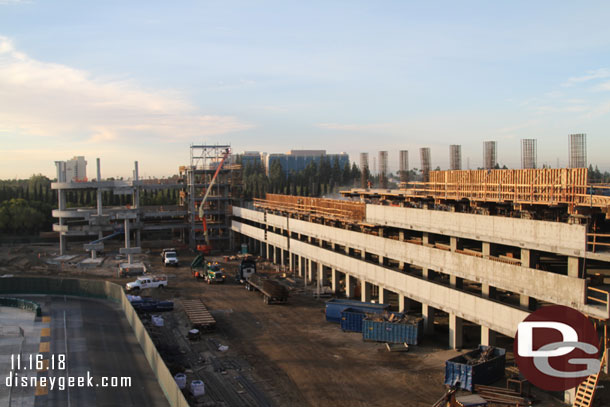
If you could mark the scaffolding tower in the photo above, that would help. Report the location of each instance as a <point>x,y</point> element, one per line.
<point>205,160</point>
<point>489,155</point>
<point>455,157</point>
<point>424,156</point>
<point>383,169</point>
<point>578,150</point>
<point>528,154</point>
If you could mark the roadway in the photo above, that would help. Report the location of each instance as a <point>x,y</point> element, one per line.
<point>96,338</point>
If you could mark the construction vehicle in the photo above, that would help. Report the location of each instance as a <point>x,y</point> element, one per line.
<point>147,282</point>
<point>170,257</point>
<point>272,291</point>
<point>215,274</point>
<point>246,269</point>
<point>199,267</point>
<point>206,248</point>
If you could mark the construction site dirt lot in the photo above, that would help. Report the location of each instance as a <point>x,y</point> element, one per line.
<point>292,354</point>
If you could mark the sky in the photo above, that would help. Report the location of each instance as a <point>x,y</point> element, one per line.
<point>142,80</point>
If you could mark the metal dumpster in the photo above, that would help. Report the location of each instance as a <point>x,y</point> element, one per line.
<point>410,331</point>
<point>466,371</point>
<point>351,318</point>
<point>335,306</point>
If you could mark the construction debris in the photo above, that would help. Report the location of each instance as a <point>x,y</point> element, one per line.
<point>484,356</point>
<point>397,347</point>
<point>502,396</point>
<point>395,318</point>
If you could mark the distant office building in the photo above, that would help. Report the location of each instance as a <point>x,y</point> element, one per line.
<point>252,157</point>
<point>297,160</point>
<point>76,169</point>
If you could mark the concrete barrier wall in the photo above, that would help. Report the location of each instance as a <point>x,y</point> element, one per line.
<point>109,291</point>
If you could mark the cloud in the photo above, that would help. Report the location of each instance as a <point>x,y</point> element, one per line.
<point>589,76</point>
<point>48,99</point>
<point>356,127</point>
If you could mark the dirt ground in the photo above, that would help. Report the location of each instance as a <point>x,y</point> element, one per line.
<point>289,352</point>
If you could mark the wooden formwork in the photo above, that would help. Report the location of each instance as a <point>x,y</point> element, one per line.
<point>566,186</point>
<point>328,208</point>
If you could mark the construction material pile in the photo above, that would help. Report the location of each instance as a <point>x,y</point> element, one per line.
<point>482,357</point>
<point>395,318</point>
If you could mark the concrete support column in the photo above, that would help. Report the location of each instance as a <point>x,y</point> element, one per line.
<point>525,301</point>
<point>334,280</point>
<point>290,262</point>
<point>428,314</point>
<point>267,251</point>
<point>127,239</point>
<point>383,295</point>
<point>487,291</point>
<point>569,396</point>
<point>349,286</point>
<point>488,336</point>
<point>281,257</point>
<point>309,271</point>
<point>455,281</point>
<point>574,265</point>
<point>320,277</point>
<point>365,291</point>
<point>456,332</point>
<point>260,249</point>
<point>486,249</point>
<point>453,243</point>
<point>401,303</point>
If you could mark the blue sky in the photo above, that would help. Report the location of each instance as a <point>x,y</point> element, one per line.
<point>141,80</point>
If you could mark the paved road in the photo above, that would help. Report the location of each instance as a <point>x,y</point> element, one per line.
<point>97,339</point>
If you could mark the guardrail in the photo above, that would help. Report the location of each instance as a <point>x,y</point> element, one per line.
<point>109,291</point>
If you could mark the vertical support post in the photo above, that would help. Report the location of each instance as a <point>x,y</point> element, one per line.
<point>488,336</point>
<point>365,291</point>
<point>383,294</point>
<point>349,286</point>
<point>309,278</point>
<point>456,331</point>
<point>334,280</point>
<point>428,314</point>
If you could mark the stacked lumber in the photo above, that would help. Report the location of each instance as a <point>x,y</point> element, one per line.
<point>502,396</point>
<point>198,314</point>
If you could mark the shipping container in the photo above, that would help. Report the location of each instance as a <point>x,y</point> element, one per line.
<point>464,370</point>
<point>410,332</point>
<point>351,318</point>
<point>335,306</point>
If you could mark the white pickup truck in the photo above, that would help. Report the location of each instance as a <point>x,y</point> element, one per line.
<point>147,282</point>
<point>169,257</point>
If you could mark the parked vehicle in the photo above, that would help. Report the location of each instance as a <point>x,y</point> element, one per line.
<point>273,292</point>
<point>215,274</point>
<point>170,257</point>
<point>246,269</point>
<point>147,282</point>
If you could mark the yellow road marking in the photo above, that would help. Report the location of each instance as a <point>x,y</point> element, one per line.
<point>41,390</point>
<point>44,347</point>
<point>46,319</point>
<point>45,332</point>
<point>45,365</point>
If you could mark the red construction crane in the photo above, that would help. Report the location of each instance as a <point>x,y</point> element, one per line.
<point>206,248</point>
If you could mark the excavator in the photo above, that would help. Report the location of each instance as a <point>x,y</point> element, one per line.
<point>206,248</point>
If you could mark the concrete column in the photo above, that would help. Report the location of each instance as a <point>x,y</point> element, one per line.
<point>267,251</point>
<point>381,232</point>
<point>138,238</point>
<point>569,396</point>
<point>425,239</point>
<point>334,280</point>
<point>487,291</point>
<point>290,261</point>
<point>309,271</point>
<point>349,286</point>
<point>428,314</point>
<point>365,291</point>
<point>383,295</point>
<point>401,303</point>
<point>455,281</point>
<point>456,332</point>
<point>525,301</point>
<point>486,249</point>
<point>453,243</point>
<point>260,249</point>
<point>488,336</point>
<point>320,277</point>
<point>363,254</point>
<point>127,239</point>
<point>281,257</point>
<point>574,266</point>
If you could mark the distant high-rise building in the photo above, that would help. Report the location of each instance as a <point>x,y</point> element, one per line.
<point>403,166</point>
<point>424,156</point>
<point>383,169</point>
<point>76,169</point>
